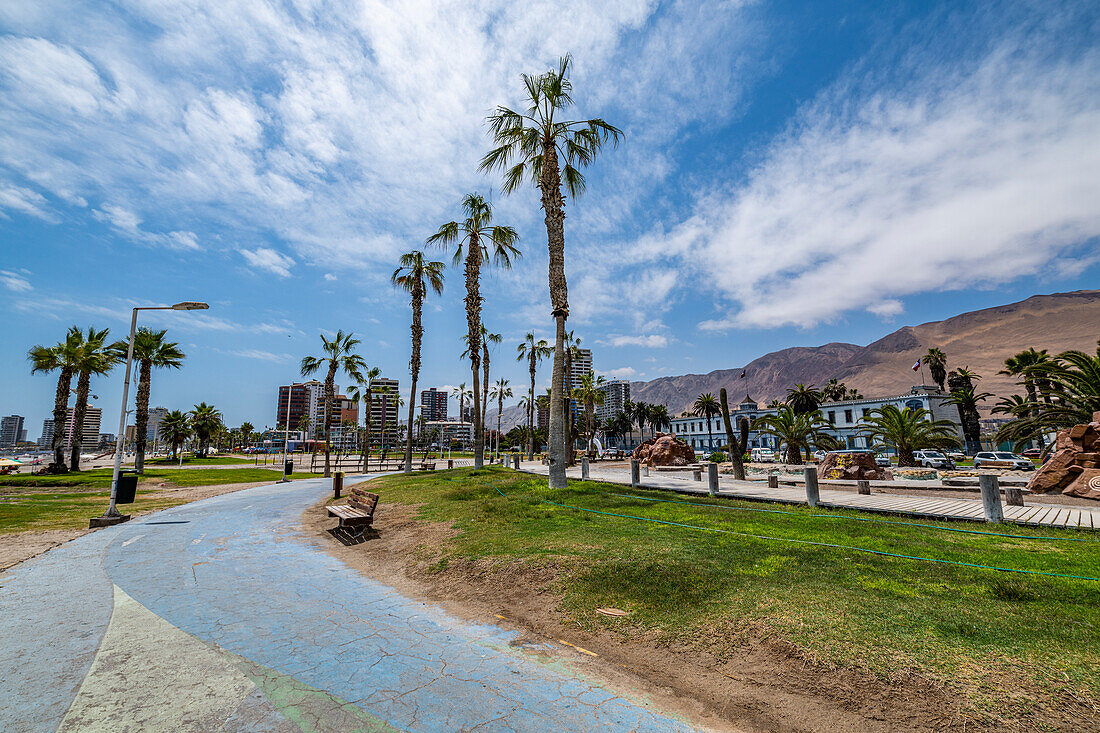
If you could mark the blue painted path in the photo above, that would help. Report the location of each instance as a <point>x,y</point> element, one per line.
<point>221,615</point>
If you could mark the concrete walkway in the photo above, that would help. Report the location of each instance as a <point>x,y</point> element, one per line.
<point>1044,515</point>
<point>220,616</point>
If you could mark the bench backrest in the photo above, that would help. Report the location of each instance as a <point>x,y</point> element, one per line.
<point>364,500</point>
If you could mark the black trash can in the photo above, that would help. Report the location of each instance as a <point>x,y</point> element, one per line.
<point>288,467</point>
<point>127,487</point>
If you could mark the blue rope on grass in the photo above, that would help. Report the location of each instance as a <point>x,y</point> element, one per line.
<point>811,542</point>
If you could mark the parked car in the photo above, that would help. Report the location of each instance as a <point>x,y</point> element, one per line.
<point>762,455</point>
<point>956,455</point>
<point>882,460</point>
<point>933,459</point>
<point>819,454</point>
<point>1002,459</point>
<point>1032,453</point>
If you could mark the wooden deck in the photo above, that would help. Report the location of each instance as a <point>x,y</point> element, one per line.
<point>929,507</point>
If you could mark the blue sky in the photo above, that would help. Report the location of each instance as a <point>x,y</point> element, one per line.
<point>792,174</point>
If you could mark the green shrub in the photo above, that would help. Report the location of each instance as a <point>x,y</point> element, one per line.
<point>718,457</point>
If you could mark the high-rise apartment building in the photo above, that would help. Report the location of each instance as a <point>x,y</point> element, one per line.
<point>580,364</point>
<point>433,405</point>
<point>11,430</point>
<point>46,441</point>
<point>152,430</point>
<point>616,392</point>
<point>542,412</point>
<point>384,411</point>
<point>89,438</point>
<point>305,404</point>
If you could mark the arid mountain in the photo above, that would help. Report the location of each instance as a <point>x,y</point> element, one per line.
<point>980,340</point>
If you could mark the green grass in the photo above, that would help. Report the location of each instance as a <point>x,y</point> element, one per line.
<point>37,503</point>
<point>192,461</point>
<point>841,606</point>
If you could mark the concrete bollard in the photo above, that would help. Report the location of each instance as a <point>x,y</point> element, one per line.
<point>450,463</point>
<point>584,467</point>
<point>1014,496</point>
<point>337,484</point>
<point>812,496</point>
<point>991,498</point>
<point>515,461</point>
<point>863,486</point>
<point>712,478</point>
<point>634,480</point>
<point>645,469</point>
<point>773,481</point>
<point>697,474</point>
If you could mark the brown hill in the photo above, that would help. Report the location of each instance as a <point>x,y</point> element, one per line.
<point>980,340</point>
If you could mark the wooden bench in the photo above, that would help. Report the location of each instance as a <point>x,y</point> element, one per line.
<point>358,512</point>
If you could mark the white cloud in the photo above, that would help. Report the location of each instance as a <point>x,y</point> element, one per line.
<point>329,277</point>
<point>958,179</point>
<point>15,281</point>
<point>268,259</point>
<point>128,223</point>
<point>651,341</point>
<point>621,373</point>
<point>23,200</point>
<point>262,355</point>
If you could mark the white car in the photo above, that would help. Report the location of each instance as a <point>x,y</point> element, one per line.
<point>933,459</point>
<point>762,455</point>
<point>1002,459</point>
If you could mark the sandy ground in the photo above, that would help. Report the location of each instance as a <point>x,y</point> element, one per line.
<point>20,546</point>
<point>758,684</point>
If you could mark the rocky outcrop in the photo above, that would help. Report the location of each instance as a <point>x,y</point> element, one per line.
<point>664,449</point>
<point>1074,469</point>
<point>852,467</point>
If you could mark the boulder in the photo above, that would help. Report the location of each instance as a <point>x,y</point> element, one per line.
<point>1074,468</point>
<point>1055,474</point>
<point>664,449</point>
<point>851,467</point>
<point>1085,485</point>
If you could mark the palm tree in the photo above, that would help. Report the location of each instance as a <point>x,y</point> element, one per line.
<point>658,418</point>
<point>532,352</point>
<point>477,239</point>
<point>803,399</point>
<point>706,407</point>
<point>529,146</point>
<point>462,393</point>
<point>967,401</point>
<point>621,425</point>
<point>246,432</point>
<point>487,338</point>
<point>936,361</point>
<point>151,350</point>
<point>796,430</point>
<point>415,276</point>
<point>833,391</point>
<point>95,357</point>
<point>907,430</point>
<point>205,422</point>
<point>358,392</point>
<point>501,391</point>
<point>641,416</point>
<point>176,427</point>
<point>589,394</point>
<point>338,354</point>
<point>62,358</point>
<point>1027,364</point>
<point>736,444</point>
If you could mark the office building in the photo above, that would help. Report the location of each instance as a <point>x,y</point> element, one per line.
<point>433,404</point>
<point>11,430</point>
<point>444,432</point>
<point>384,411</point>
<point>616,393</point>
<point>46,441</point>
<point>89,438</point>
<point>152,429</point>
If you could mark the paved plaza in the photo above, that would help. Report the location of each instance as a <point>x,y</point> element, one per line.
<point>222,615</point>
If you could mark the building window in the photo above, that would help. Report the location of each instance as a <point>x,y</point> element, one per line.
<point>832,417</point>
<point>866,411</point>
<point>847,416</point>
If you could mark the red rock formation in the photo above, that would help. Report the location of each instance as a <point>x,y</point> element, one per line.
<point>664,449</point>
<point>1074,469</point>
<point>852,466</point>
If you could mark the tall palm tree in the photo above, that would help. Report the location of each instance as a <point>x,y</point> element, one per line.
<point>589,394</point>
<point>1027,365</point>
<point>833,391</point>
<point>737,444</point>
<point>907,430</point>
<point>176,427</point>
<point>532,351</point>
<point>803,399</point>
<point>477,239</point>
<point>246,432</point>
<point>658,418</point>
<point>205,422</point>
<point>967,402</point>
<point>62,358</point>
<point>706,407</point>
<point>152,350</point>
<point>501,391</point>
<point>487,338</point>
<point>338,354</point>
<point>96,358</point>
<point>936,361</point>
<point>358,392</point>
<point>621,425</point>
<point>641,416</point>
<point>416,276</point>
<point>462,392</point>
<point>529,146</point>
<point>797,431</point>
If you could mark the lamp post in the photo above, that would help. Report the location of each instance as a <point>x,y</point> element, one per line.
<point>286,434</point>
<point>112,516</point>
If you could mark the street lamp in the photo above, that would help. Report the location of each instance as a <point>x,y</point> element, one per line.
<point>112,516</point>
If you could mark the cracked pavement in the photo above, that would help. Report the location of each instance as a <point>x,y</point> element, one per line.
<point>221,616</point>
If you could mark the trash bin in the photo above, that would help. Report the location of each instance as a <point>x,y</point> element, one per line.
<point>288,467</point>
<point>127,487</point>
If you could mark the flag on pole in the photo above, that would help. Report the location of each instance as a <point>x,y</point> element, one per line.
<point>743,373</point>
<point>917,365</point>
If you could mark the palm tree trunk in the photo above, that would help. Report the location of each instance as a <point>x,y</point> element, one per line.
<point>367,403</point>
<point>553,205</point>
<point>473,325</point>
<point>83,384</point>
<point>484,382</point>
<point>557,438</point>
<point>531,414</point>
<point>60,412</point>
<point>141,414</point>
<point>500,408</point>
<point>414,368</point>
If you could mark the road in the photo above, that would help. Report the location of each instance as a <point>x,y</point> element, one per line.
<point>221,615</point>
